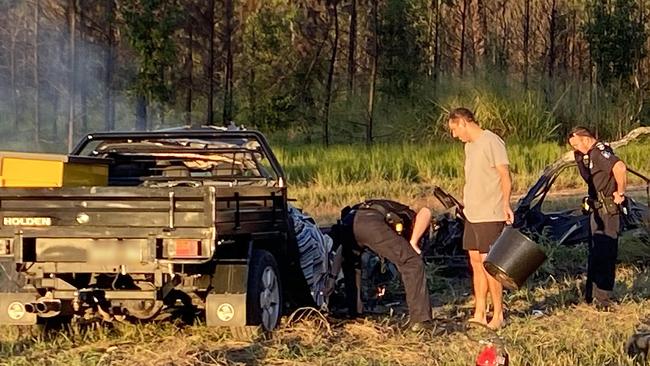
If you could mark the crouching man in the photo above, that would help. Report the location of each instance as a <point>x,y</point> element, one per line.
<point>385,227</point>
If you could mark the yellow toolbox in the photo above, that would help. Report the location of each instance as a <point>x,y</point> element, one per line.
<point>19,169</point>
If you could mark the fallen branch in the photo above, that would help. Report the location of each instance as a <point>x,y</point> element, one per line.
<point>306,312</point>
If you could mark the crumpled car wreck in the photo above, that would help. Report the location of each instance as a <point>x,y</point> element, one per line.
<point>564,227</point>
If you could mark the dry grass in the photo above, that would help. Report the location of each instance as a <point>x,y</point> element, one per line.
<point>547,325</point>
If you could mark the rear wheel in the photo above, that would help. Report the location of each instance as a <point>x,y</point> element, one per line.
<point>264,298</point>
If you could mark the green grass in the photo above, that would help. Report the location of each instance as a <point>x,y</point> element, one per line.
<point>325,179</point>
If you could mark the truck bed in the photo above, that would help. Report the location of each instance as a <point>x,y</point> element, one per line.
<point>67,224</point>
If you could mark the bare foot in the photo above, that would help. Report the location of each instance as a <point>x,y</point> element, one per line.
<point>496,323</point>
<point>480,321</point>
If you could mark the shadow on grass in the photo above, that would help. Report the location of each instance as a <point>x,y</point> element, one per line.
<point>251,355</point>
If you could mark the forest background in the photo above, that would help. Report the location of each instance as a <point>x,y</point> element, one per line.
<point>353,93</point>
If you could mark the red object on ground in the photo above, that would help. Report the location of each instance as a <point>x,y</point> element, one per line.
<point>490,356</point>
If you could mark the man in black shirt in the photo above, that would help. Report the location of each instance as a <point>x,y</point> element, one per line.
<point>605,175</point>
<point>385,227</point>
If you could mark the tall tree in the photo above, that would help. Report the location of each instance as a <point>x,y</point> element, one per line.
<point>228,82</point>
<point>552,38</point>
<point>82,56</point>
<point>436,41</point>
<point>72,34</point>
<point>149,25</point>
<point>401,51</point>
<point>210,63</point>
<point>463,32</point>
<point>616,38</point>
<point>334,19</point>
<point>189,65</point>
<point>526,40</point>
<point>109,65</point>
<point>13,70</point>
<point>37,83</point>
<point>352,46</point>
<point>373,70</point>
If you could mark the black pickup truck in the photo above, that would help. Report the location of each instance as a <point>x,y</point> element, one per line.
<point>189,218</point>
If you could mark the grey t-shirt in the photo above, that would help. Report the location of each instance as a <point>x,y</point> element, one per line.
<point>482,193</point>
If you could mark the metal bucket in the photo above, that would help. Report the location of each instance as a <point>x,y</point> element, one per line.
<point>513,258</point>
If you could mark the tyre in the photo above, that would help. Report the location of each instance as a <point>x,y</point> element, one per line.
<point>264,297</point>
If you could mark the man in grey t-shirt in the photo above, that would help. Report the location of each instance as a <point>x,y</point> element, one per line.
<point>486,197</point>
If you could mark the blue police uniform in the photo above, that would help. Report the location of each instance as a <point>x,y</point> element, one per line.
<point>596,168</point>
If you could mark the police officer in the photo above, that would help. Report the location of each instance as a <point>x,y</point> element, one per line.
<point>605,175</point>
<point>384,227</point>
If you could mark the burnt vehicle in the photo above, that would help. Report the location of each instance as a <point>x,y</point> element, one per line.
<point>194,219</point>
<point>443,246</point>
<point>571,226</point>
<point>565,227</point>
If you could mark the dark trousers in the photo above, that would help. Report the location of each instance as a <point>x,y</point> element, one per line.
<point>371,231</point>
<point>603,250</point>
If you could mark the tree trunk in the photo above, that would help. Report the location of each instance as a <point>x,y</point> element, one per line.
<point>471,47</point>
<point>483,48</point>
<point>210,68</point>
<point>72,24</point>
<point>37,84</point>
<point>463,26</point>
<point>141,113</point>
<point>59,95</point>
<point>330,74</point>
<point>436,45</point>
<point>373,72</point>
<point>503,47</point>
<point>227,95</point>
<point>109,65</point>
<point>352,46</point>
<point>551,39</point>
<point>12,66</point>
<point>82,80</point>
<point>189,66</point>
<point>252,95</point>
<point>526,39</point>
<point>431,29</point>
<point>572,56</point>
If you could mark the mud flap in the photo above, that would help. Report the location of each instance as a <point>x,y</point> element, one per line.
<point>226,304</point>
<point>12,309</point>
<point>223,310</point>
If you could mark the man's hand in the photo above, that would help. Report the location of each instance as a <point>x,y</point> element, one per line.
<point>618,198</point>
<point>510,216</point>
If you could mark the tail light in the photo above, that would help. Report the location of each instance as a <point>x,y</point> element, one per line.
<point>183,248</point>
<point>5,246</point>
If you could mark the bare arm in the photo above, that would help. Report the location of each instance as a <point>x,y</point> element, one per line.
<point>506,189</point>
<point>422,222</point>
<point>619,171</point>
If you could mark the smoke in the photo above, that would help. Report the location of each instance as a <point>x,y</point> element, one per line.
<point>37,80</point>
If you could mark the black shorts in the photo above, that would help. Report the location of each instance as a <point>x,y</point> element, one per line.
<point>481,235</point>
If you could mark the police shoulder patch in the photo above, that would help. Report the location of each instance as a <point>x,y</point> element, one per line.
<point>600,146</point>
<point>606,154</point>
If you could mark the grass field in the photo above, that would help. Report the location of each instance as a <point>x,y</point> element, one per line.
<point>324,180</point>
<point>547,325</point>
